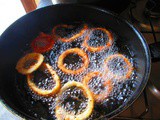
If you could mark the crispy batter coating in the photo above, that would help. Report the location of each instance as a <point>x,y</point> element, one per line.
<point>107,86</point>
<point>128,66</point>
<point>75,36</point>
<point>99,48</point>
<point>40,91</point>
<point>62,114</point>
<point>42,43</point>
<point>29,63</point>
<point>78,51</point>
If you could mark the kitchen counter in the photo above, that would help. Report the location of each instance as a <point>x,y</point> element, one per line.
<point>7,115</point>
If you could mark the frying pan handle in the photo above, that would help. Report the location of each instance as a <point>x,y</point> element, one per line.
<point>155,51</point>
<point>155,55</point>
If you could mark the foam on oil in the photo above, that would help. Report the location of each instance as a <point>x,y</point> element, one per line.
<point>122,89</point>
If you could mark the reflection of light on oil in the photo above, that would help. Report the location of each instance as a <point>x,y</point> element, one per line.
<point>122,90</point>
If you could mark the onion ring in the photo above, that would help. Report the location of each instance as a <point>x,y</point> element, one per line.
<point>71,38</point>
<point>42,92</point>
<point>126,60</point>
<point>97,49</point>
<point>104,94</point>
<point>42,43</point>
<point>29,63</point>
<point>80,53</point>
<point>61,113</point>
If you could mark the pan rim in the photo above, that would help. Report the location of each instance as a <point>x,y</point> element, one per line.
<point>142,39</point>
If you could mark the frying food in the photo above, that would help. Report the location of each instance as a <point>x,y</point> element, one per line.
<point>42,43</point>
<point>44,67</point>
<point>63,114</point>
<point>29,63</point>
<point>76,79</point>
<point>118,66</point>
<point>98,48</point>
<point>79,52</point>
<point>73,37</point>
<point>107,86</point>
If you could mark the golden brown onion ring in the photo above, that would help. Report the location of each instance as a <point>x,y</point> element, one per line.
<point>97,49</point>
<point>71,38</point>
<point>61,113</point>
<point>104,94</point>
<point>40,91</point>
<point>126,60</point>
<point>78,51</point>
<point>29,63</point>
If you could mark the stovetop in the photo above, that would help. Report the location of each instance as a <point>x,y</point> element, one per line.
<point>147,106</point>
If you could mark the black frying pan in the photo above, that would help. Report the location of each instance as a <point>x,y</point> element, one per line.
<point>13,41</point>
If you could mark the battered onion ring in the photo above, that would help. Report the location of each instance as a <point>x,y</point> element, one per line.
<point>29,63</point>
<point>97,49</point>
<point>42,43</point>
<point>40,91</point>
<point>71,38</point>
<point>126,60</point>
<point>104,94</point>
<point>61,113</point>
<point>69,51</point>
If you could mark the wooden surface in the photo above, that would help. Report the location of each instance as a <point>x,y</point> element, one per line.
<point>29,5</point>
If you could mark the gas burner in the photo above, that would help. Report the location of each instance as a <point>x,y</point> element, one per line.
<point>145,16</point>
<point>153,8</point>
